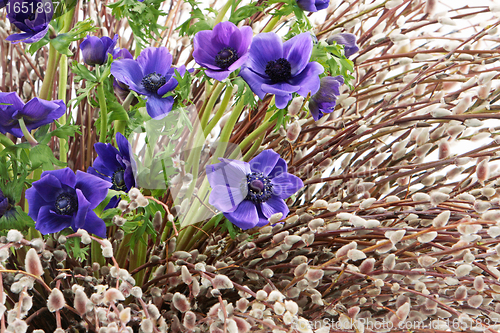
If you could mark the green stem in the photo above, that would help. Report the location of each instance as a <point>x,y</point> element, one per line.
<point>138,258</point>
<point>207,86</point>
<point>207,228</point>
<point>104,110</point>
<point>220,112</point>
<point>96,253</point>
<point>105,74</point>
<point>128,101</point>
<point>185,236</point>
<point>272,22</point>
<point>226,132</point>
<point>121,125</point>
<point>5,141</point>
<point>138,49</point>
<point>258,131</point>
<point>27,133</point>
<point>33,233</point>
<point>211,102</point>
<point>63,79</point>
<point>190,144</point>
<point>253,149</point>
<point>223,11</point>
<point>46,89</point>
<point>123,250</point>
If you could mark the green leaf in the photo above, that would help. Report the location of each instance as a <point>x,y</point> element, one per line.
<point>217,219</point>
<point>41,155</point>
<point>245,12</point>
<point>62,41</point>
<point>183,89</point>
<point>197,21</point>
<point>15,219</point>
<point>74,249</point>
<point>230,228</point>
<point>82,93</point>
<point>81,72</point>
<point>332,58</point>
<point>142,18</point>
<point>244,92</point>
<point>38,45</point>
<point>65,131</point>
<point>62,132</point>
<point>108,215</point>
<point>280,116</point>
<point>13,186</point>
<point>111,193</point>
<point>117,111</point>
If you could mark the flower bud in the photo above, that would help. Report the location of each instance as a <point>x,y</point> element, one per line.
<point>14,236</point>
<point>355,255</point>
<point>293,131</point>
<point>113,295</point>
<point>95,50</point>
<point>56,300</point>
<point>134,193</point>
<point>80,302</point>
<point>33,264</point>
<point>482,171</point>
<point>222,282</point>
<point>180,302</point>
<point>295,106</point>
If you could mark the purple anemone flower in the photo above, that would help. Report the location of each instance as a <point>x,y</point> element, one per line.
<point>61,200</point>
<point>114,166</point>
<point>30,16</point>
<point>95,50</point>
<point>121,90</point>
<point>325,99</point>
<point>346,39</point>
<point>249,193</point>
<point>281,68</point>
<point>5,206</point>
<point>222,50</point>
<point>37,112</point>
<point>313,5</point>
<point>119,53</point>
<point>150,75</point>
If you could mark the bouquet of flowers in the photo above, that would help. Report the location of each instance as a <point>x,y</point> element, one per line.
<point>249,166</point>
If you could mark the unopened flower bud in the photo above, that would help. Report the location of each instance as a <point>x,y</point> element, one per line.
<point>33,263</point>
<point>14,236</point>
<point>80,302</point>
<point>123,204</point>
<point>134,193</point>
<point>56,300</point>
<point>293,131</point>
<point>295,106</point>
<point>180,302</point>
<point>482,171</point>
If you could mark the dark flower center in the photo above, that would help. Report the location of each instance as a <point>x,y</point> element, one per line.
<point>152,82</point>
<point>260,188</point>
<point>118,180</point>
<point>226,57</point>
<point>66,204</point>
<point>279,70</point>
